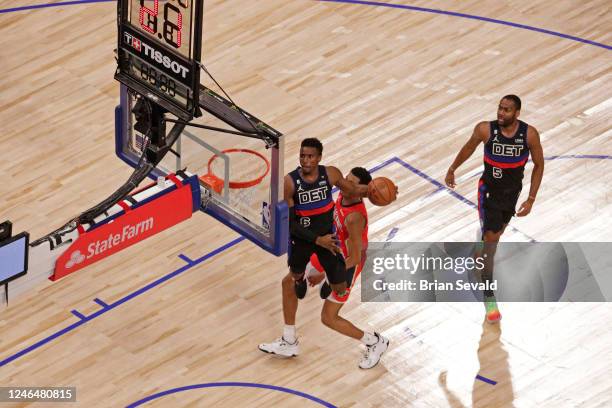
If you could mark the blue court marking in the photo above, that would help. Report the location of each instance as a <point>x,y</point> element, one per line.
<point>64,3</point>
<point>186,259</point>
<point>472,17</point>
<point>85,319</point>
<point>43,342</point>
<point>580,156</point>
<point>391,234</point>
<point>485,379</point>
<point>231,384</point>
<point>101,303</point>
<point>374,4</point>
<point>435,182</point>
<point>78,314</point>
<point>441,186</point>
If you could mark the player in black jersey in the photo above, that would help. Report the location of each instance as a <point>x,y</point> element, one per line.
<point>507,145</point>
<point>308,192</point>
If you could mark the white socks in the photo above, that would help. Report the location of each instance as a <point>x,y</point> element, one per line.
<point>368,339</point>
<point>289,334</point>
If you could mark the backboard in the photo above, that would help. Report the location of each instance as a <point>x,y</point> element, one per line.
<point>241,177</point>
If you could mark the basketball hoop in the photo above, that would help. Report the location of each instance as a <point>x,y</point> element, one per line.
<point>216,183</point>
<point>243,188</point>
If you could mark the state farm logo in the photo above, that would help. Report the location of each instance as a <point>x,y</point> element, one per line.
<point>129,232</point>
<point>76,258</point>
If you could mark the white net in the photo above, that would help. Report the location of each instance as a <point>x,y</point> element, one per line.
<point>248,193</point>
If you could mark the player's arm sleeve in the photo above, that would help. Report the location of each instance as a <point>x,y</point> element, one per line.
<point>295,228</point>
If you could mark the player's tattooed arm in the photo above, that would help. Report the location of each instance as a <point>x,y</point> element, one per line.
<point>479,135</point>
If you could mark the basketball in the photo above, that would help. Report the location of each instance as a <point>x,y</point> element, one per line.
<point>382,191</point>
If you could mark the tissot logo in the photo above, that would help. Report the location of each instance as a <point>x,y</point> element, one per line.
<point>132,41</point>
<point>155,55</point>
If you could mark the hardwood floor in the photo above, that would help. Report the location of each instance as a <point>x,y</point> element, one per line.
<point>373,83</point>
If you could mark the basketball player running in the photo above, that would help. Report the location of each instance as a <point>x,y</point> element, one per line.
<point>308,192</point>
<point>507,144</point>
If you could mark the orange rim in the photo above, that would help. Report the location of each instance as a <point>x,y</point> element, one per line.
<point>240,184</point>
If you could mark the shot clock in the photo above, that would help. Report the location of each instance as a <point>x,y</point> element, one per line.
<point>159,49</point>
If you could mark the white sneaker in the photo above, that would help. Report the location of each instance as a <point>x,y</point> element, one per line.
<point>281,347</point>
<point>372,355</point>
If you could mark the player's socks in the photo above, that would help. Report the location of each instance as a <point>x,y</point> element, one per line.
<point>289,333</point>
<point>493,314</point>
<point>369,339</point>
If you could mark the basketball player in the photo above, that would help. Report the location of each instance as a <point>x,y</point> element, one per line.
<point>351,223</point>
<point>507,145</point>
<point>308,192</point>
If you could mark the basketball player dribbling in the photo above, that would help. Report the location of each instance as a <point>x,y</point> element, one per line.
<point>507,145</point>
<point>308,192</point>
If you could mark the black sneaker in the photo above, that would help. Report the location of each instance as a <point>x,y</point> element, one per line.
<point>301,286</point>
<point>325,291</point>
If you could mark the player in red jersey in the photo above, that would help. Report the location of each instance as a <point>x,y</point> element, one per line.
<point>351,227</point>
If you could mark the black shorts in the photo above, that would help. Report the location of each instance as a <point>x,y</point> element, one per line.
<point>299,256</point>
<point>495,207</point>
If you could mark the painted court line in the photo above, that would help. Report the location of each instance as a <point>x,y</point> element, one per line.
<point>442,187</point>
<point>372,4</point>
<point>391,234</point>
<point>85,319</point>
<point>154,284</point>
<point>234,385</point>
<point>101,303</point>
<point>78,314</point>
<point>186,259</point>
<point>472,17</point>
<point>64,3</point>
<point>485,379</point>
